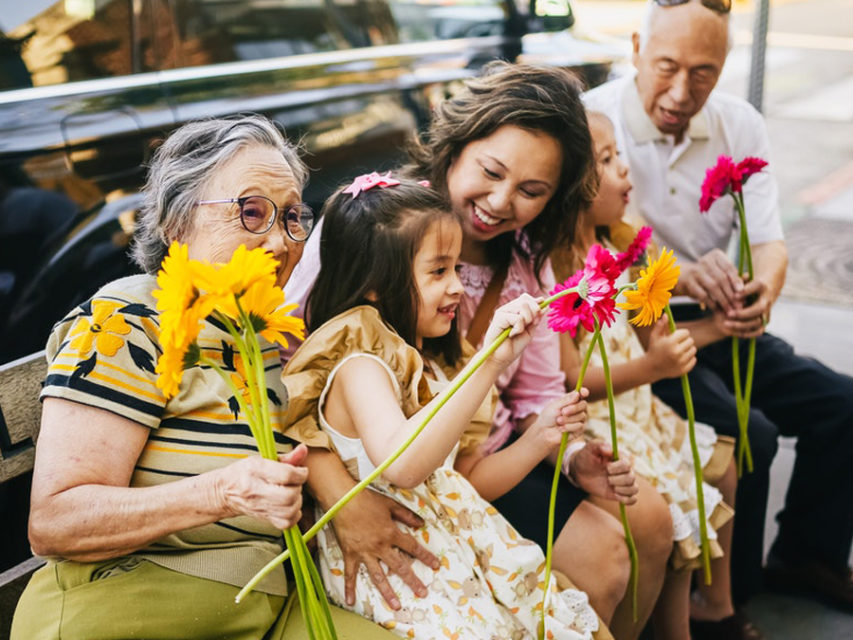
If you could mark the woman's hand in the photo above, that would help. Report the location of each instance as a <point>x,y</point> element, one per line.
<point>670,355</point>
<point>594,470</point>
<point>520,316</point>
<point>265,489</point>
<point>566,414</point>
<point>367,534</point>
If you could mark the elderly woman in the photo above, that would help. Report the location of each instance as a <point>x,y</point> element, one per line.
<point>154,513</point>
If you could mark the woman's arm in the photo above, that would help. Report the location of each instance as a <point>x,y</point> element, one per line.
<point>366,531</point>
<point>82,507</point>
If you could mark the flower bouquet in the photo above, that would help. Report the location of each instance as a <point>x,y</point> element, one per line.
<point>242,296</point>
<point>726,177</point>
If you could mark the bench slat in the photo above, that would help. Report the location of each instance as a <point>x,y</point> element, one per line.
<point>20,413</point>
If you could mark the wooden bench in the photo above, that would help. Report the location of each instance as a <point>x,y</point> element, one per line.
<point>20,417</point>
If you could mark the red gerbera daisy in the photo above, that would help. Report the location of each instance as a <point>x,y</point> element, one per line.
<point>724,177</point>
<point>635,250</point>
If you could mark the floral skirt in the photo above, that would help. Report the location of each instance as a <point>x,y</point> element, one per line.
<point>489,583</point>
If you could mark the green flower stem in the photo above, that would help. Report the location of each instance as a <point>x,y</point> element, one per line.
<point>253,417</point>
<point>743,395</point>
<point>697,463</point>
<point>623,515</point>
<point>443,397</point>
<point>312,599</point>
<point>564,441</point>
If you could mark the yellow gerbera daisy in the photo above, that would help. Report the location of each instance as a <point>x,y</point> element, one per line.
<point>654,288</point>
<point>244,269</point>
<point>171,364</point>
<point>102,330</point>
<point>263,302</point>
<point>181,304</point>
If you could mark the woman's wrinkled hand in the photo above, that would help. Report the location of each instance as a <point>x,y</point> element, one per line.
<point>368,534</point>
<point>264,489</point>
<point>594,470</point>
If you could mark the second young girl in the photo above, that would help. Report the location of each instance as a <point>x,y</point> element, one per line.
<point>383,343</point>
<point>654,434</point>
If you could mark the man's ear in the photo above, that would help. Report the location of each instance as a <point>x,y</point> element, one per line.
<point>635,45</point>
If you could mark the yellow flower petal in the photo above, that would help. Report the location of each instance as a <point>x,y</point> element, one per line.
<point>108,344</point>
<point>83,342</point>
<point>654,288</point>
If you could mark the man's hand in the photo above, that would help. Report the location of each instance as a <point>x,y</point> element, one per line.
<point>713,281</point>
<point>593,470</point>
<point>367,534</point>
<point>749,321</point>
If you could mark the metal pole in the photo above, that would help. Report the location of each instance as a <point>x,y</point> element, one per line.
<point>755,91</point>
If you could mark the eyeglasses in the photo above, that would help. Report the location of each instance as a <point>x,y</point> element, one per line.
<point>258,214</point>
<point>720,6</point>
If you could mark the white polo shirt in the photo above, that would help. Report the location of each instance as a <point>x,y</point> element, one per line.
<point>667,177</point>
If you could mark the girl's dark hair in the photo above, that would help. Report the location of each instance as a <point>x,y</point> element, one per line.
<point>367,250</point>
<point>539,99</point>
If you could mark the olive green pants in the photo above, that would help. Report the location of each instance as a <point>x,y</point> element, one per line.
<point>134,598</point>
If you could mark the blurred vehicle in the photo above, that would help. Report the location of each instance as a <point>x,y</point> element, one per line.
<point>89,87</point>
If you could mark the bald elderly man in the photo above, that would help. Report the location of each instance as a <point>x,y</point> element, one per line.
<point>670,127</point>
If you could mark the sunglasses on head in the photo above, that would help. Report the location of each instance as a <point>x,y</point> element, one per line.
<point>720,6</point>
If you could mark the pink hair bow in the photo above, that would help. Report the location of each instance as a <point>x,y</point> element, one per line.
<point>370,180</point>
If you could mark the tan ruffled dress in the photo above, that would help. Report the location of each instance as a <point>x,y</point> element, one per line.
<point>489,584</point>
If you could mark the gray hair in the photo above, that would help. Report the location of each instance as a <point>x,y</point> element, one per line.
<point>652,7</point>
<point>180,170</point>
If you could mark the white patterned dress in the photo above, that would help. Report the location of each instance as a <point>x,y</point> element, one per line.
<point>490,581</point>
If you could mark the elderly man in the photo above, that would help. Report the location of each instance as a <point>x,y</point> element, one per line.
<point>671,126</point>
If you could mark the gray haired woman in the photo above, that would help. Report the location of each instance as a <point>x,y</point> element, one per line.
<point>154,512</point>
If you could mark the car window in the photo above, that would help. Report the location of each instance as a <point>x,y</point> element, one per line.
<point>45,43</point>
<point>212,31</point>
<point>420,20</point>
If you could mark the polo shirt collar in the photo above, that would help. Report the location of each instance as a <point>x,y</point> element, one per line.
<point>641,127</point>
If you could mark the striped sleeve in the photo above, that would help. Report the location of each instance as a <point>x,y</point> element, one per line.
<point>103,354</point>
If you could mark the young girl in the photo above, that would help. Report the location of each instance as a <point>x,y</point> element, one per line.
<point>383,343</point>
<point>652,432</point>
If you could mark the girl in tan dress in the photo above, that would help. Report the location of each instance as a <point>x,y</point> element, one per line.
<point>383,342</point>
<point>654,434</point>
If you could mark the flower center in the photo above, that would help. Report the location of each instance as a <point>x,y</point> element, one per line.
<point>96,328</point>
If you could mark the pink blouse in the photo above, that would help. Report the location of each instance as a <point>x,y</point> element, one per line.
<point>535,378</point>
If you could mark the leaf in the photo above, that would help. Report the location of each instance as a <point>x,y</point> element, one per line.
<point>137,309</point>
<point>234,406</point>
<point>85,368</point>
<point>228,356</point>
<point>273,396</point>
<point>141,358</point>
